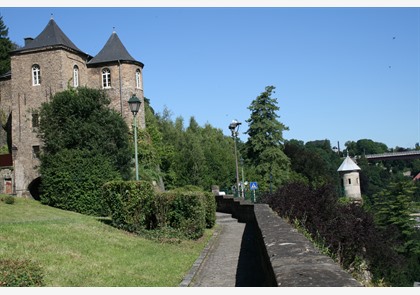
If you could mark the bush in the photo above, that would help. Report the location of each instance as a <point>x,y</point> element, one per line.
<point>182,210</point>
<point>210,203</point>
<point>131,204</point>
<point>347,230</point>
<point>72,179</point>
<point>8,199</point>
<point>20,273</point>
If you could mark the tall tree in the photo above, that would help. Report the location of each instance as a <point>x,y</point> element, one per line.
<point>5,47</point>
<point>393,207</point>
<point>85,144</point>
<point>264,148</point>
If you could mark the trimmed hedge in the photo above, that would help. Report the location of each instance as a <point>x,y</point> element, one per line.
<point>182,210</point>
<point>20,273</point>
<point>71,180</point>
<point>131,204</point>
<point>135,207</point>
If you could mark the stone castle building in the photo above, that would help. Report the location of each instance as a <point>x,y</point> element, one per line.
<point>44,66</point>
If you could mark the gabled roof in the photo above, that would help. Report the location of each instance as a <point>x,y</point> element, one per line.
<point>51,36</point>
<point>113,51</point>
<point>348,165</point>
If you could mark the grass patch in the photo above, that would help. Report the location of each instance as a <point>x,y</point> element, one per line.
<point>75,250</point>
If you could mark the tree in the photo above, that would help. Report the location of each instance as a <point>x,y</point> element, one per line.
<point>150,147</point>
<point>264,148</point>
<point>5,47</point>
<point>314,161</point>
<point>392,207</point>
<point>365,147</point>
<point>81,133</point>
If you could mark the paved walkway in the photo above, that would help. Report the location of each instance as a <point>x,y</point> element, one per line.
<point>230,258</point>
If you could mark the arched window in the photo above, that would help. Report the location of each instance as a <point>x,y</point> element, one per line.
<point>75,76</point>
<point>106,78</point>
<point>138,79</point>
<point>36,75</point>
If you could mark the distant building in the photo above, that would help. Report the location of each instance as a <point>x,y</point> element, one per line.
<point>48,64</point>
<point>350,181</point>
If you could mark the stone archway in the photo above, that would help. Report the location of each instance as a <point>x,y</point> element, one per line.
<point>33,188</point>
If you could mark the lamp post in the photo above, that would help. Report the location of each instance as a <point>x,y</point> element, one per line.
<point>243,180</point>
<point>234,128</point>
<point>134,104</point>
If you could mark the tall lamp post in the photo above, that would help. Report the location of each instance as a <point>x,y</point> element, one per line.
<point>234,128</point>
<point>134,104</point>
<point>243,180</point>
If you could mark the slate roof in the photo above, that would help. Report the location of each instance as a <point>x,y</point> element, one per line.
<point>348,165</point>
<point>113,51</point>
<point>52,35</point>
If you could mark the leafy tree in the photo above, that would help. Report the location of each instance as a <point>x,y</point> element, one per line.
<point>150,147</point>
<point>264,148</point>
<point>80,122</point>
<point>365,147</point>
<point>315,161</point>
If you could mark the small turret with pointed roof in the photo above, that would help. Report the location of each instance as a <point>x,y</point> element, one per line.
<point>348,165</point>
<point>349,172</point>
<point>113,51</point>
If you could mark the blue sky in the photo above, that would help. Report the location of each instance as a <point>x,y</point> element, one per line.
<point>341,73</point>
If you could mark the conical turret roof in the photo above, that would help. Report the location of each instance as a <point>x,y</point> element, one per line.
<point>51,36</point>
<point>113,51</point>
<point>348,165</point>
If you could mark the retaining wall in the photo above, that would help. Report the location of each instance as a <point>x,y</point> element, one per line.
<point>289,259</point>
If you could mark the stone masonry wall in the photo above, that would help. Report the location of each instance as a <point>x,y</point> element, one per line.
<point>289,259</point>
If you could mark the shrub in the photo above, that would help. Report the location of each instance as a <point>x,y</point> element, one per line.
<point>9,199</point>
<point>182,210</point>
<point>131,204</point>
<point>72,179</point>
<point>20,273</point>
<point>347,230</point>
<point>209,200</point>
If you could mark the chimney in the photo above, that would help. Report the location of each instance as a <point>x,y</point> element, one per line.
<point>28,40</point>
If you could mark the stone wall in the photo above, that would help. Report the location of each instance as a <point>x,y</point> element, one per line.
<point>290,259</point>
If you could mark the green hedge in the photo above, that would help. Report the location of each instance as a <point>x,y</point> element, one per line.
<point>135,206</point>
<point>184,211</point>
<point>131,204</point>
<point>72,180</point>
<point>209,200</point>
<point>20,273</point>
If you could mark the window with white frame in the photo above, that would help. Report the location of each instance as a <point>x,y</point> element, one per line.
<point>138,79</point>
<point>75,76</point>
<point>36,75</point>
<point>106,78</point>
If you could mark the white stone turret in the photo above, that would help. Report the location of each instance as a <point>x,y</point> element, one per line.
<point>349,172</point>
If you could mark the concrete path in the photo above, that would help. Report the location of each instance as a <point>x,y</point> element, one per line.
<point>230,258</point>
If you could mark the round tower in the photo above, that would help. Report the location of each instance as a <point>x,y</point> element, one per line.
<point>350,181</point>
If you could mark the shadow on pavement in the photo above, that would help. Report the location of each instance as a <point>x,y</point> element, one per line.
<point>249,272</point>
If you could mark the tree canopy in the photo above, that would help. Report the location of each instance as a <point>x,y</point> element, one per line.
<point>264,148</point>
<point>85,144</point>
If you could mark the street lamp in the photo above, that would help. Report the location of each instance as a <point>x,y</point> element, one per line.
<point>234,128</point>
<point>134,104</point>
<point>243,180</point>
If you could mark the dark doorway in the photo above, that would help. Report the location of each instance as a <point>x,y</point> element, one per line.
<point>33,188</point>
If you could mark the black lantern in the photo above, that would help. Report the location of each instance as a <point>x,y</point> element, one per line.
<point>134,104</point>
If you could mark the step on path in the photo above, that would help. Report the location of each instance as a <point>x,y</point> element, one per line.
<point>229,258</point>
